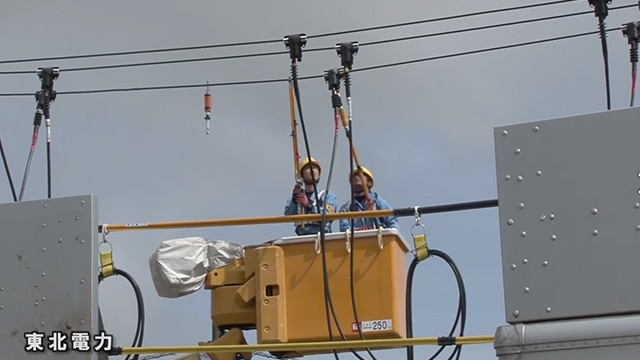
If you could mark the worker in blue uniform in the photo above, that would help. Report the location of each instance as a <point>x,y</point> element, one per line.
<point>304,195</point>
<point>388,222</point>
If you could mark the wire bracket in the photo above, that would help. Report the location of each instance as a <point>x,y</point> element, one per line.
<point>632,32</point>
<point>332,78</point>
<point>295,43</point>
<point>346,51</point>
<point>600,7</point>
<point>419,240</point>
<point>347,234</point>
<point>47,95</point>
<point>318,243</point>
<point>106,257</point>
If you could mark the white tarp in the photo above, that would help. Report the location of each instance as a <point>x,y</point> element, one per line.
<point>179,266</point>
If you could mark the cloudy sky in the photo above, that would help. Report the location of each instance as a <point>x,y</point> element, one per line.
<point>425,130</point>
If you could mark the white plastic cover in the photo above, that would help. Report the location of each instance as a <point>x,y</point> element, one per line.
<point>179,266</point>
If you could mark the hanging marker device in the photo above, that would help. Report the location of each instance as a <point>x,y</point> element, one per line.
<point>207,109</point>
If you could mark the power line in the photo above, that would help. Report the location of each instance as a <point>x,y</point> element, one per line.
<point>263,42</point>
<point>493,26</point>
<point>502,47</point>
<point>272,53</point>
<point>375,67</point>
<point>452,17</point>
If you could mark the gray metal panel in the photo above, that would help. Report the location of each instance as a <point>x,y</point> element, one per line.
<point>48,278</point>
<point>569,215</point>
<point>587,339</point>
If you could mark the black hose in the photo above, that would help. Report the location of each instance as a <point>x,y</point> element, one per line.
<point>37,121</point>
<point>327,295</point>
<point>462,304</point>
<point>139,335</point>
<point>6,168</point>
<point>347,85</point>
<point>605,56</point>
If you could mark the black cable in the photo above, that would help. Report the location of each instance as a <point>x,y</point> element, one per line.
<point>49,169</point>
<point>346,60</point>
<point>165,62</point>
<point>135,52</point>
<point>262,42</point>
<point>47,118</point>
<point>139,335</point>
<point>462,304</point>
<point>375,67</point>
<point>451,17</point>
<point>337,104</point>
<point>296,89</point>
<point>272,53</point>
<point>322,224</point>
<point>484,27</point>
<point>463,293</point>
<point>37,121</point>
<point>6,167</point>
<point>605,55</point>
<point>634,76</point>
<point>632,32</point>
<point>409,304</point>
<point>473,52</point>
<point>601,12</point>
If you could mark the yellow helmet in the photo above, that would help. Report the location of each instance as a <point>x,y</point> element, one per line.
<point>306,162</point>
<point>365,171</point>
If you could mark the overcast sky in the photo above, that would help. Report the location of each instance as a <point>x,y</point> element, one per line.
<point>425,130</point>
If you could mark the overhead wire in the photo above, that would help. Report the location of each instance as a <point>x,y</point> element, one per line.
<point>271,41</point>
<point>273,53</point>
<point>374,67</point>
<point>6,168</point>
<point>451,17</point>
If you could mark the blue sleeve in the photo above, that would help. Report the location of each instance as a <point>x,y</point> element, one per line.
<point>291,208</point>
<point>391,222</point>
<point>332,200</point>
<point>332,203</point>
<point>344,223</point>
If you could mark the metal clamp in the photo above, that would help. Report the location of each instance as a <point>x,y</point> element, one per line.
<point>348,244</point>
<point>106,257</point>
<point>417,223</point>
<point>420,241</point>
<point>318,243</point>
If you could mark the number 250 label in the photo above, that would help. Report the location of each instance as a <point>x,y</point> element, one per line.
<point>373,325</point>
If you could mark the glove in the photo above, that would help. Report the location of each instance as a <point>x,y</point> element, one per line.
<point>303,200</point>
<point>296,190</point>
<point>364,228</point>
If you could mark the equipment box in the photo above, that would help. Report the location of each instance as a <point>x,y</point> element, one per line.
<point>290,297</point>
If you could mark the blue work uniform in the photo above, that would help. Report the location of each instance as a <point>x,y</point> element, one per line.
<point>389,222</point>
<point>292,208</point>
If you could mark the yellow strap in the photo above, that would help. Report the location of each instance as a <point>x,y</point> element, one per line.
<point>420,243</point>
<point>106,263</point>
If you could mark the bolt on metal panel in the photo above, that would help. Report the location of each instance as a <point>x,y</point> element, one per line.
<point>49,277</point>
<point>569,205</point>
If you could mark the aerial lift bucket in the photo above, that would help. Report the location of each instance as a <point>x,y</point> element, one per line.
<point>278,290</point>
